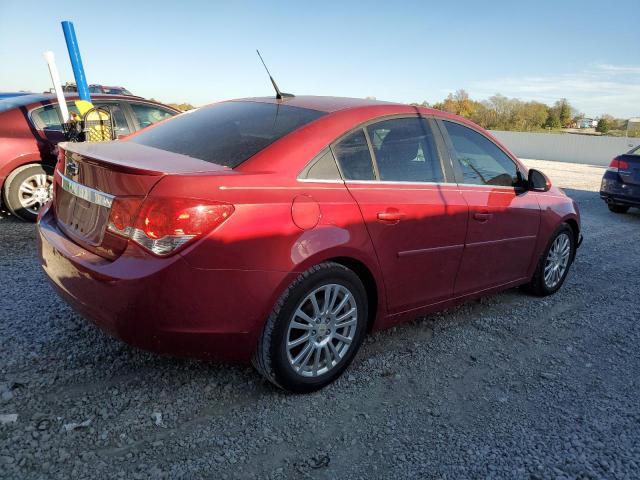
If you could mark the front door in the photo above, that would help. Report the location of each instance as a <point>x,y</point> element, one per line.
<point>503,217</point>
<point>417,221</point>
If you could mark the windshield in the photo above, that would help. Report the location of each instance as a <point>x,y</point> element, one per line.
<point>227,133</point>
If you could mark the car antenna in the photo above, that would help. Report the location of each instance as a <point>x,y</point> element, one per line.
<point>279,94</point>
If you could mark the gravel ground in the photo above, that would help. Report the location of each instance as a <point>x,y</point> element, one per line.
<point>511,386</point>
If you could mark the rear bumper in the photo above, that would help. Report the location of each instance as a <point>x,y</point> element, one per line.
<point>620,199</point>
<point>612,190</point>
<point>161,304</point>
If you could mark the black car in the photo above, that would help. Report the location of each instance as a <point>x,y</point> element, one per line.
<point>620,186</point>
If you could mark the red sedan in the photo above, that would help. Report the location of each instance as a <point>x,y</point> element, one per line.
<point>283,231</point>
<point>30,129</point>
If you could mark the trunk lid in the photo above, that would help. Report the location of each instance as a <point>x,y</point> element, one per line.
<point>90,176</point>
<point>630,174</point>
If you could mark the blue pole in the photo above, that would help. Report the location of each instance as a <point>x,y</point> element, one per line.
<point>76,60</point>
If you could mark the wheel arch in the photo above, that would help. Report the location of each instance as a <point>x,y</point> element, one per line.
<point>370,285</point>
<point>575,228</point>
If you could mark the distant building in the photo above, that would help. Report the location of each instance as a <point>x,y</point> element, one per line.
<point>586,123</point>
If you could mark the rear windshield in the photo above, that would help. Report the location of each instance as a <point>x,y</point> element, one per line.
<point>227,133</point>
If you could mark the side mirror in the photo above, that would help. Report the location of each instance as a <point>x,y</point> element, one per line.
<point>538,181</point>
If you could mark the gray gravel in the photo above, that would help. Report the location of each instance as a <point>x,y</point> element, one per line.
<point>511,386</point>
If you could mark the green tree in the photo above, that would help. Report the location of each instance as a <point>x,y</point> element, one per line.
<point>553,119</point>
<point>564,110</point>
<point>604,125</point>
<point>182,106</point>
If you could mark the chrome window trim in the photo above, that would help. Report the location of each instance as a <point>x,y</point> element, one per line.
<point>396,182</point>
<point>318,180</point>
<point>390,182</point>
<point>492,187</point>
<point>86,193</point>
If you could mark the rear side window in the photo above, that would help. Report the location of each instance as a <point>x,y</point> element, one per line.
<point>405,150</point>
<point>227,133</point>
<point>481,161</point>
<point>323,167</point>
<point>352,153</point>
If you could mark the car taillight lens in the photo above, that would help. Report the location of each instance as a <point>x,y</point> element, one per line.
<point>617,165</point>
<point>164,225</point>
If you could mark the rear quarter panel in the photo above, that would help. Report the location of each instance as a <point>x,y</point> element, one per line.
<point>261,234</point>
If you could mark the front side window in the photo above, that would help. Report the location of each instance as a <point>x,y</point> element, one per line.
<point>119,119</point>
<point>481,161</point>
<point>405,150</point>
<point>227,133</point>
<point>148,114</point>
<point>354,158</point>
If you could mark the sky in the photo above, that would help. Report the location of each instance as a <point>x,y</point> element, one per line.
<point>406,51</point>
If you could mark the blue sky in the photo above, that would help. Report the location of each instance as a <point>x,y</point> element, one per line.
<point>204,51</point>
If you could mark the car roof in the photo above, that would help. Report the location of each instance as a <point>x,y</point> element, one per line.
<point>323,104</point>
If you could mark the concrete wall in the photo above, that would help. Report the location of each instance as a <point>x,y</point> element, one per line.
<point>587,149</point>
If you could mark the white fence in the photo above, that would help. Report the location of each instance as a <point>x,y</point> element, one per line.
<point>588,149</point>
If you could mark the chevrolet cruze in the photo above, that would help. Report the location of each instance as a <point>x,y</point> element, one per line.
<point>283,230</point>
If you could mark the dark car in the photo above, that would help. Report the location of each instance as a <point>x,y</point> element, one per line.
<point>30,130</point>
<point>285,230</point>
<point>620,186</point>
<point>99,89</point>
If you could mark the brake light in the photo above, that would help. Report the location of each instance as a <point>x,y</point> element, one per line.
<point>617,165</point>
<point>164,225</point>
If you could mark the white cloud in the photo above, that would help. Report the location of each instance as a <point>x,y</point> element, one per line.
<point>617,69</point>
<point>603,88</point>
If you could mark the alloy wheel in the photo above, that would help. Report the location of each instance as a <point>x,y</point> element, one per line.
<point>35,191</point>
<point>321,330</point>
<point>557,260</point>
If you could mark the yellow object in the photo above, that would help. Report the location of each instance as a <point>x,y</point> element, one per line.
<point>97,124</point>
<point>83,106</point>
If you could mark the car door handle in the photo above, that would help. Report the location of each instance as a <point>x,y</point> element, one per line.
<point>390,216</point>
<point>482,216</point>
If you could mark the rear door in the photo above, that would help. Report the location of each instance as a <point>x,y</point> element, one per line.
<point>503,217</point>
<point>415,215</point>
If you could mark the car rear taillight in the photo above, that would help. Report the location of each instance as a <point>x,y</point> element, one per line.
<point>616,165</point>
<point>164,225</point>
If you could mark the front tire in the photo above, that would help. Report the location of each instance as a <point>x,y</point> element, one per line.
<point>618,208</point>
<point>314,330</point>
<point>27,189</point>
<point>554,263</point>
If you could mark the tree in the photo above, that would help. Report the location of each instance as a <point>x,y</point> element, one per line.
<point>181,106</point>
<point>553,119</point>
<point>564,110</point>
<point>604,124</point>
<point>458,103</point>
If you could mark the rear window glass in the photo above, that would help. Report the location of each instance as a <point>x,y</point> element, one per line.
<point>227,133</point>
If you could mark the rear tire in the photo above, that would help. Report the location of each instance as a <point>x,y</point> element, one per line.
<point>307,344</point>
<point>551,271</point>
<point>618,208</point>
<point>27,189</point>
